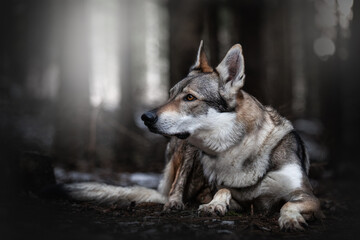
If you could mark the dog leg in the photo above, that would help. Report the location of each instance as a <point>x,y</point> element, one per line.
<point>175,201</point>
<point>177,190</point>
<point>302,206</point>
<point>219,205</point>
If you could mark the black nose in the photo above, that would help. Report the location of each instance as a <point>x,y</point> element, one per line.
<point>149,118</point>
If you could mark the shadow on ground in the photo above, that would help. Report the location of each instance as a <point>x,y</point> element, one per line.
<point>30,217</point>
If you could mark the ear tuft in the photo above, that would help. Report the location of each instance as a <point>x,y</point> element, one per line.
<point>201,63</point>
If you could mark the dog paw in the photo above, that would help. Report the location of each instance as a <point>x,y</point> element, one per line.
<point>213,209</point>
<point>173,205</point>
<point>292,221</point>
<point>218,206</point>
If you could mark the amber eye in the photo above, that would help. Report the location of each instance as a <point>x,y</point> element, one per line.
<point>189,97</point>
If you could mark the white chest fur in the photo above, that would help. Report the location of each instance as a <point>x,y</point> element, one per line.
<point>244,163</point>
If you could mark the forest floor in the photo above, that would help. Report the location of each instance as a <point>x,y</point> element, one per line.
<point>30,217</point>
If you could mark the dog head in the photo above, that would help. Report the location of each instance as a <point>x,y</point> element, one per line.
<point>203,101</point>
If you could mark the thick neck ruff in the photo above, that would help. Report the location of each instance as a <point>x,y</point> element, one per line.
<point>234,158</point>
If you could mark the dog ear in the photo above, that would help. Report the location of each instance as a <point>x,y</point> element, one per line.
<point>232,72</point>
<point>201,63</point>
<point>232,67</point>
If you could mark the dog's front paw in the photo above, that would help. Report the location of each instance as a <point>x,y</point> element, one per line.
<point>292,221</point>
<point>213,209</point>
<point>173,205</point>
<point>218,206</point>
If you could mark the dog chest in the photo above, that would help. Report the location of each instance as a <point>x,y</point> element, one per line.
<point>244,164</point>
<point>235,168</point>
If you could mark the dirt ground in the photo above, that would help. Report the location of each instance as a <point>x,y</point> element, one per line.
<point>30,217</point>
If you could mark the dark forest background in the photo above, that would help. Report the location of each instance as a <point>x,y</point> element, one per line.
<point>76,75</point>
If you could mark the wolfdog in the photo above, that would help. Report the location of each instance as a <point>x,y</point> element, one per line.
<point>226,150</point>
<point>247,151</point>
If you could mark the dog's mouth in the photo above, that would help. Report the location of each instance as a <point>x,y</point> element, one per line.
<point>181,135</point>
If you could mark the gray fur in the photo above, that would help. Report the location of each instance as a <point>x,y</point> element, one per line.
<point>247,151</point>
<point>107,194</point>
<point>247,148</point>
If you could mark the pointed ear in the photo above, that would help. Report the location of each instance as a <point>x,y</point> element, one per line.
<point>232,67</point>
<point>201,63</point>
<point>232,73</point>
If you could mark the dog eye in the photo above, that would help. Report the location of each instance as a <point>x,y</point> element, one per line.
<point>189,97</point>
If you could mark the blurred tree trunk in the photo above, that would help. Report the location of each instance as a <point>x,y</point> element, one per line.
<point>247,26</point>
<point>132,34</point>
<point>126,59</point>
<point>298,15</point>
<point>5,47</point>
<point>15,22</point>
<point>72,116</point>
<point>186,18</point>
<point>39,48</point>
<point>124,145</point>
<point>331,111</point>
<point>311,70</point>
<point>277,87</point>
<point>348,104</point>
<point>212,27</point>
